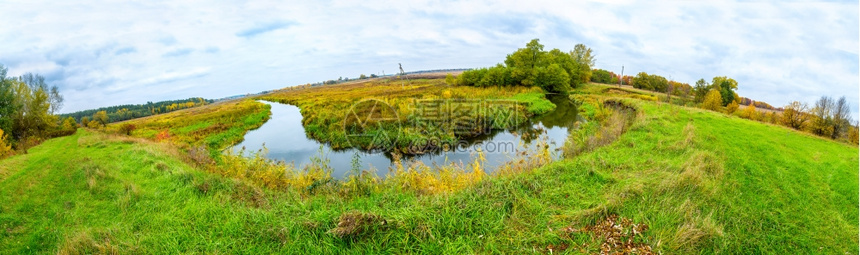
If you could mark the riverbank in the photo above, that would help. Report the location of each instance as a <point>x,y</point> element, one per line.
<point>688,181</point>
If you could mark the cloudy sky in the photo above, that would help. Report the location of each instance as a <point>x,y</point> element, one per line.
<point>103,53</point>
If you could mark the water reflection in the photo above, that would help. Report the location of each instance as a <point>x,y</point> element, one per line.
<point>285,139</point>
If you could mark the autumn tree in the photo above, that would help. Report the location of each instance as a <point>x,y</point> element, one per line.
<point>750,112</point>
<point>732,107</point>
<point>85,121</point>
<point>101,118</point>
<point>93,124</point>
<point>700,90</point>
<point>5,146</point>
<point>7,100</point>
<point>127,128</point>
<point>712,100</point>
<point>70,124</point>
<point>841,121</point>
<point>33,117</point>
<point>821,121</point>
<point>727,87</point>
<point>584,59</point>
<point>795,115</point>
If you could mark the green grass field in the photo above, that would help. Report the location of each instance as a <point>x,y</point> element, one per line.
<point>687,180</point>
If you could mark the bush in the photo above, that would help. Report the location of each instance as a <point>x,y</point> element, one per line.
<point>5,148</point>
<point>732,107</point>
<point>127,128</point>
<point>61,132</point>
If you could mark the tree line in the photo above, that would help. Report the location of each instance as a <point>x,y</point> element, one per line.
<point>826,117</point>
<point>28,107</point>
<point>554,71</point>
<point>131,111</point>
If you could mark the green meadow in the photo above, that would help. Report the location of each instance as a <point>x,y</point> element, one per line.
<point>669,179</point>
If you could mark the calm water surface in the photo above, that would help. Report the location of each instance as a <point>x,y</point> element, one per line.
<point>285,139</point>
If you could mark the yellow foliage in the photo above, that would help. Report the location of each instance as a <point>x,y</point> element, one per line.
<point>713,100</point>
<point>5,148</point>
<point>446,94</point>
<point>70,124</point>
<point>93,124</point>
<point>255,167</point>
<point>423,179</point>
<point>750,112</point>
<point>853,135</point>
<point>732,107</point>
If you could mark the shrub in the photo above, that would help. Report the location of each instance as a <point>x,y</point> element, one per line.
<point>732,107</point>
<point>127,128</point>
<point>162,136</point>
<point>750,112</point>
<point>5,148</point>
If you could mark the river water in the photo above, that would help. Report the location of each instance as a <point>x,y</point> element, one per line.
<point>284,137</point>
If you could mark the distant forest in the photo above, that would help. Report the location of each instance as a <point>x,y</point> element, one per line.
<point>130,111</point>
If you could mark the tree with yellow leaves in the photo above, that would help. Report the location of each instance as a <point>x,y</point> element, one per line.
<point>70,124</point>
<point>750,112</point>
<point>101,117</point>
<point>713,100</point>
<point>5,148</point>
<point>732,107</point>
<point>795,115</point>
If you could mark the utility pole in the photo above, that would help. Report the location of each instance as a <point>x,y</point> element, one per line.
<point>621,78</point>
<point>402,74</point>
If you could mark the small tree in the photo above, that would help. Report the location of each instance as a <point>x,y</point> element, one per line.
<point>700,90</point>
<point>93,124</point>
<point>362,76</point>
<point>70,124</point>
<point>795,115</point>
<point>727,87</point>
<point>101,117</point>
<point>840,112</point>
<point>127,128</point>
<point>713,100</point>
<point>85,121</point>
<point>749,112</point>
<point>5,148</point>
<point>732,107</point>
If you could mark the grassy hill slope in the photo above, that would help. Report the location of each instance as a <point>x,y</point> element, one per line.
<point>688,180</point>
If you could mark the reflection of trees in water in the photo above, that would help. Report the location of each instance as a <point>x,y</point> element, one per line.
<point>565,114</point>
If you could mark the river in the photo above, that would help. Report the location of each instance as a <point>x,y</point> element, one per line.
<point>284,137</point>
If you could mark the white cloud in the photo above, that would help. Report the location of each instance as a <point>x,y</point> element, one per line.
<point>107,53</point>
